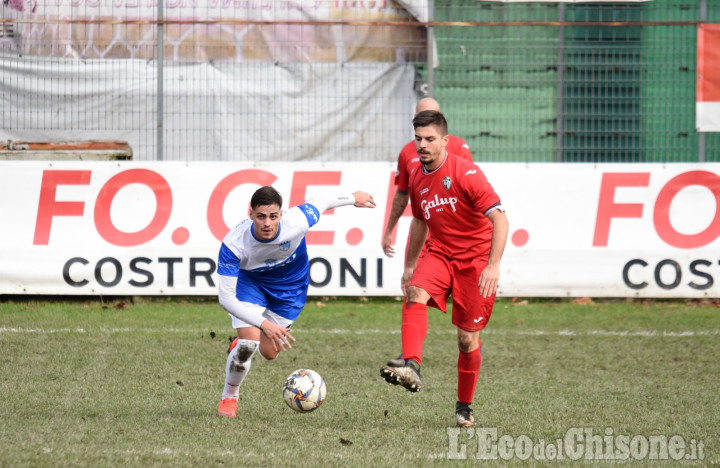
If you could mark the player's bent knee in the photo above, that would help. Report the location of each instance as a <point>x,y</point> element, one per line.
<point>465,345</point>
<point>267,353</point>
<point>467,342</point>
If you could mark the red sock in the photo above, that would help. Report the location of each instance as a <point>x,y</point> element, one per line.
<point>414,328</point>
<point>468,372</point>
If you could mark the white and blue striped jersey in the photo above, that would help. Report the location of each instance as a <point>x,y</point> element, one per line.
<point>273,273</point>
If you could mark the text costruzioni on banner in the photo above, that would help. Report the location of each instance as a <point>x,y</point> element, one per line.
<point>131,228</point>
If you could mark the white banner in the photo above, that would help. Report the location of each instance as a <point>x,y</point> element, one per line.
<point>132,228</point>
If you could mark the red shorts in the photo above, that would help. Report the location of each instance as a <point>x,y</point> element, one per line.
<point>441,277</point>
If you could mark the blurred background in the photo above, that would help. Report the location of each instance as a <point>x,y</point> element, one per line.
<point>331,80</point>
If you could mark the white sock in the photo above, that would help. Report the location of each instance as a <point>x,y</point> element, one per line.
<point>237,367</point>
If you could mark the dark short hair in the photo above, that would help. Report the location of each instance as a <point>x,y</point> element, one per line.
<point>265,196</point>
<point>431,117</point>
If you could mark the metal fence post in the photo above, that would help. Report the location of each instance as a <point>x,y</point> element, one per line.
<point>560,125</point>
<point>160,60</point>
<point>430,48</point>
<point>701,135</point>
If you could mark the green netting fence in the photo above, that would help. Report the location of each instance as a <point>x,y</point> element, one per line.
<point>578,90</point>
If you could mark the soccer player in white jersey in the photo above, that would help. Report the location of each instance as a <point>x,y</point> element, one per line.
<point>263,273</point>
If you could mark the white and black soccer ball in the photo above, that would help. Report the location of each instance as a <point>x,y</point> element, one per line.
<point>304,390</point>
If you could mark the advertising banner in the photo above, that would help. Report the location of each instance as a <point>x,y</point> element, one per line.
<point>132,228</point>
<point>708,78</point>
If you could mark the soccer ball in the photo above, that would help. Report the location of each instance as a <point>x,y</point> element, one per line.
<point>304,390</point>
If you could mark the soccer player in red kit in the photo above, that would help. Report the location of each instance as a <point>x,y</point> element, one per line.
<point>452,200</point>
<point>408,161</point>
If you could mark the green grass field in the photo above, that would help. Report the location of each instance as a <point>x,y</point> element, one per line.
<point>87,383</point>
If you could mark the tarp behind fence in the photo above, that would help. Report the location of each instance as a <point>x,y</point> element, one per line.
<point>287,112</point>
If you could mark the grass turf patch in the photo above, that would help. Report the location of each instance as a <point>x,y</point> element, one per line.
<point>86,383</point>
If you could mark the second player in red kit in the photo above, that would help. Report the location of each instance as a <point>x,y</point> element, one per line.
<point>452,200</point>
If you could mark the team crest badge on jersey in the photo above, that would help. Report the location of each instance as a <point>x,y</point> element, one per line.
<point>285,246</point>
<point>447,183</point>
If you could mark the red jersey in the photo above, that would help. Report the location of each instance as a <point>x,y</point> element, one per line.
<point>408,159</point>
<point>454,201</point>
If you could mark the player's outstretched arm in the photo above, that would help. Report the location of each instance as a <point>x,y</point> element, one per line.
<point>359,199</point>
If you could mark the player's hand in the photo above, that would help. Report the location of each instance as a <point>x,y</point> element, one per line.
<point>387,245</point>
<point>364,200</point>
<point>405,280</point>
<point>489,280</point>
<point>279,337</point>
